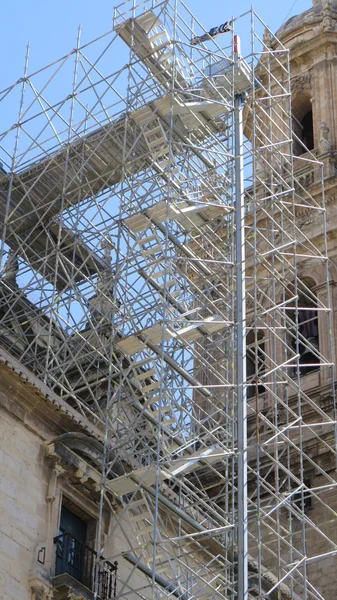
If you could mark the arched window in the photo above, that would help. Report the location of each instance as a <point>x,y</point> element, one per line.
<point>302,123</point>
<point>305,334</point>
<point>255,363</point>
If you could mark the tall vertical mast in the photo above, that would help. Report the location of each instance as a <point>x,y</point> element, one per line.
<point>241,342</point>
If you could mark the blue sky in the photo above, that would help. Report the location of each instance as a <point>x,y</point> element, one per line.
<point>51,30</point>
<point>51,27</point>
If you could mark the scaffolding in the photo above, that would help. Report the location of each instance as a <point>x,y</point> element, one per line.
<point>128,201</point>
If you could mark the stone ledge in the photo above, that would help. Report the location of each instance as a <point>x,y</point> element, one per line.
<point>68,588</point>
<point>36,391</point>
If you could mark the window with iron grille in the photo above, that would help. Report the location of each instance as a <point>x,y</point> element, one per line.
<point>77,560</point>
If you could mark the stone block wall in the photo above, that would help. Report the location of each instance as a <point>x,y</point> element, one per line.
<point>23,485</point>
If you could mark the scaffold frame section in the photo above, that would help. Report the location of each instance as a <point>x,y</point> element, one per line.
<point>122,275</point>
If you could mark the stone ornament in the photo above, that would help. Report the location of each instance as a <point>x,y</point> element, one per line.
<point>328,22</point>
<point>267,38</point>
<point>39,590</point>
<point>11,267</point>
<point>300,83</point>
<point>324,144</point>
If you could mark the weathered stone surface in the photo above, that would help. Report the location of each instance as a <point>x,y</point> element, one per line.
<point>22,495</point>
<point>29,504</point>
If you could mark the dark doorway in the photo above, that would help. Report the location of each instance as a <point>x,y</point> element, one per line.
<point>308,131</point>
<point>71,544</point>
<point>308,328</point>
<point>71,523</point>
<point>302,123</point>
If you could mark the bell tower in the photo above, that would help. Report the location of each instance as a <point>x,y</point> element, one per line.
<point>312,39</point>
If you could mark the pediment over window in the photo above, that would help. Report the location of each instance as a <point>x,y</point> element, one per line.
<point>80,458</point>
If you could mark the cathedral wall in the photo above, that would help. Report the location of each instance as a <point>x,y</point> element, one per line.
<point>323,572</point>
<point>33,489</point>
<point>302,538</point>
<point>23,486</point>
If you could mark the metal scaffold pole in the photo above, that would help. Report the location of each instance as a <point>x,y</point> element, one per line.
<point>157,277</point>
<point>242,518</point>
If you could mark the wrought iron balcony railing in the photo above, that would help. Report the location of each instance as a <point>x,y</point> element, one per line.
<point>73,557</point>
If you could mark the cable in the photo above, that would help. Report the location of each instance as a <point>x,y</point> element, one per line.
<point>289,12</point>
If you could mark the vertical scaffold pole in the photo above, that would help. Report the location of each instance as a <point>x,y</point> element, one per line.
<point>242,523</point>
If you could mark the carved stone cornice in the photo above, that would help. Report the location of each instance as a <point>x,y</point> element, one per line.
<point>326,401</point>
<point>300,83</point>
<point>330,199</point>
<point>306,213</point>
<point>48,408</point>
<point>305,220</point>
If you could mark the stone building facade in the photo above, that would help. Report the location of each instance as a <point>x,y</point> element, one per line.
<point>50,467</point>
<point>50,452</point>
<point>312,38</point>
